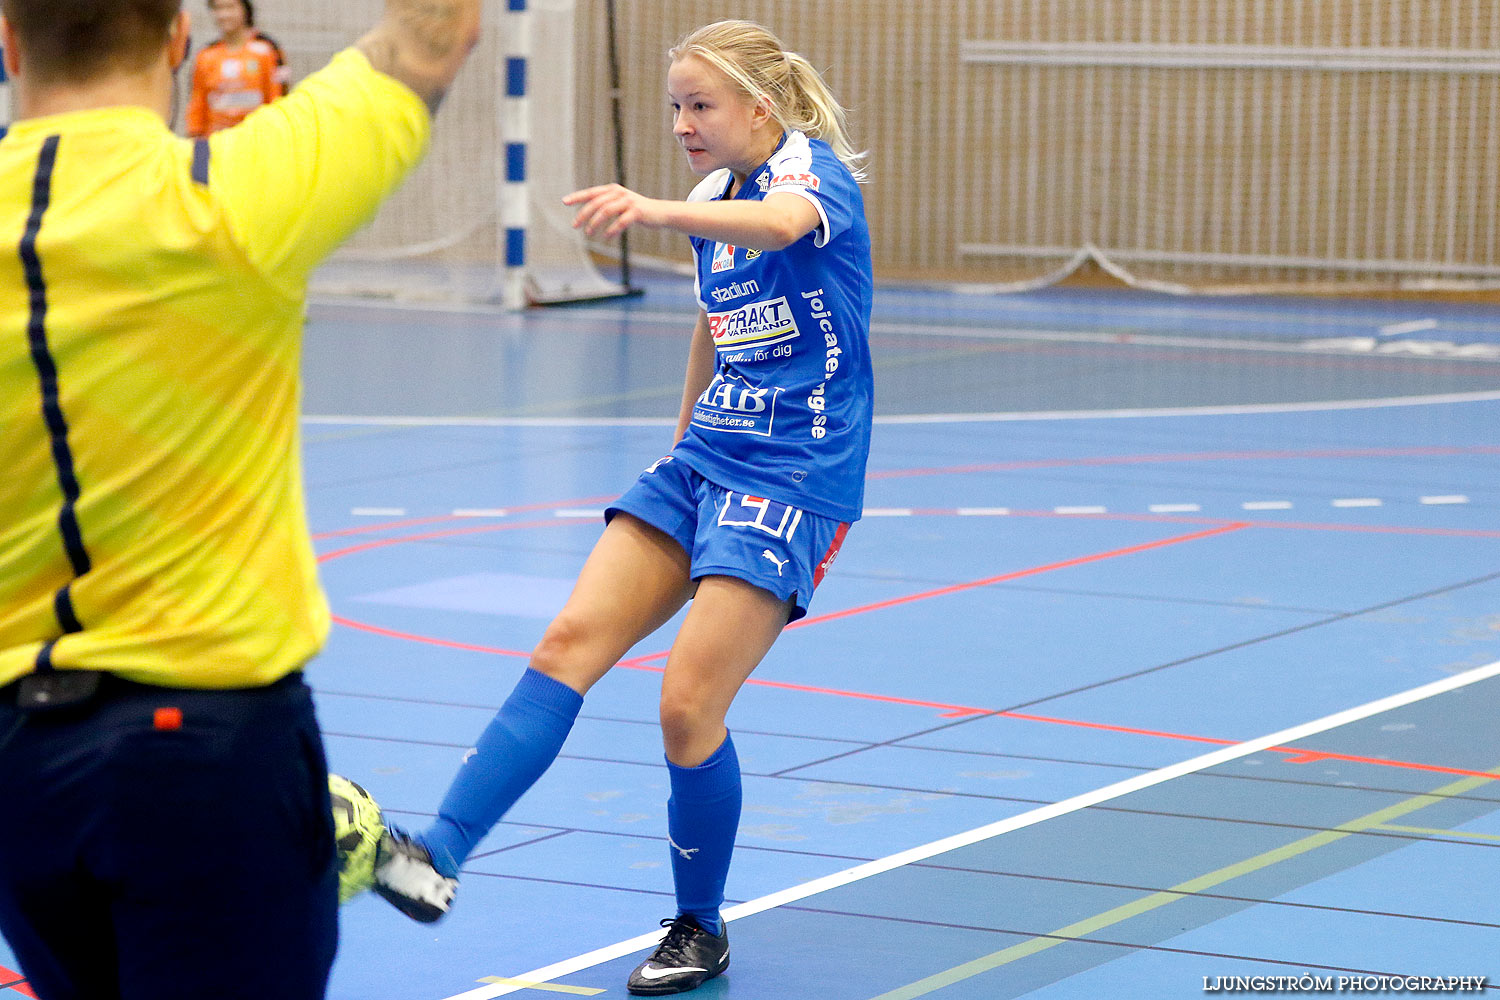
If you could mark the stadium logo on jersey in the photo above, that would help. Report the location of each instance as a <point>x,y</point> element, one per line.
<point>797,179</point>
<point>723,257</point>
<point>738,290</point>
<point>760,324</point>
<point>732,404</point>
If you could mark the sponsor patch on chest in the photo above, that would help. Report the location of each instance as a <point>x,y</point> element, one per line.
<point>758,324</point>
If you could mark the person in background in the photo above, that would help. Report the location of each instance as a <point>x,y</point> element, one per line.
<point>167,827</point>
<point>236,74</point>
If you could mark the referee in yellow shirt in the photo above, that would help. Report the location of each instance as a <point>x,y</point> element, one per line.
<point>166,832</point>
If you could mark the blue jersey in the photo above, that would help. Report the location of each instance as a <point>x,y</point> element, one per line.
<point>787,415</point>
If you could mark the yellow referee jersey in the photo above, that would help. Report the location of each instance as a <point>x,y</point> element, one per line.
<point>152,520</point>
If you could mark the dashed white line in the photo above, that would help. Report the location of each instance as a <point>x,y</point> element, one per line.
<point>1434,500</point>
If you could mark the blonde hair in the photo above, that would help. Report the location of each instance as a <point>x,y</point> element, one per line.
<point>756,61</point>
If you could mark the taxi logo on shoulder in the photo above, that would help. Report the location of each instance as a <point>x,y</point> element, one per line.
<point>723,257</point>
<point>796,179</point>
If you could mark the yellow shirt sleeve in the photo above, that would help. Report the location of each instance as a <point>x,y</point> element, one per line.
<point>299,176</point>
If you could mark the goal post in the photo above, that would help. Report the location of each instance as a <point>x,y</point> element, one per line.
<point>481,219</point>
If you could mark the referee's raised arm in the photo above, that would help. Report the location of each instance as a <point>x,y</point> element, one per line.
<point>423,43</point>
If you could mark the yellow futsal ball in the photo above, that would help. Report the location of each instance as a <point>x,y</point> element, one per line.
<point>357,829</point>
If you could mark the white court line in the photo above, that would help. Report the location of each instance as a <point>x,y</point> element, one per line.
<point>1175,508</point>
<point>1358,502</point>
<point>579,513</point>
<point>982,511</point>
<point>929,418</point>
<point>378,512</point>
<point>1455,498</point>
<point>1031,818</point>
<point>1415,326</point>
<point>888,512</point>
<point>481,512</point>
<point>1267,505</point>
<point>1080,510</point>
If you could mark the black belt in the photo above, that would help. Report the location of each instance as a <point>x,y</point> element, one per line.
<point>52,689</point>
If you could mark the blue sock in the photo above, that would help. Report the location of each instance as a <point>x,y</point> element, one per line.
<point>519,744</point>
<point>703,814</point>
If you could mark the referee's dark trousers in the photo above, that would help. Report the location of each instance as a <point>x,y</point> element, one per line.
<point>168,844</point>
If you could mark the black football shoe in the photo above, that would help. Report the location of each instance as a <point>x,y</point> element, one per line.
<point>405,877</point>
<point>686,958</point>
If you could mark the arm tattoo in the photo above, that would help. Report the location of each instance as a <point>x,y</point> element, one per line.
<point>421,43</point>
<point>432,25</point>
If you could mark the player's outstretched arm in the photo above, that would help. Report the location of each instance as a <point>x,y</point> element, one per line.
<point>773,223</point>
<point>423,43</point>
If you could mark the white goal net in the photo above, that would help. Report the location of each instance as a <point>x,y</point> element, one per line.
<point>442,237</point>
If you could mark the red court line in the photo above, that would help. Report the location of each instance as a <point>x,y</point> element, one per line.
<point>384,526</point>
<point>1221,529</point>
<point>640,662</point>
<point>1296,756</point>
<point>14,981</point>
<point>1200,456</point>
<point>381,543</point>
<point>429,640</point>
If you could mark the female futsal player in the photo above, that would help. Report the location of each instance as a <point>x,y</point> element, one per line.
<point>749,508</point>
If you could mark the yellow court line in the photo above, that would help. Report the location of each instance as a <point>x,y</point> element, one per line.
<point>581,991</point>
<point>1427,831</point>
<point>1145,904</point>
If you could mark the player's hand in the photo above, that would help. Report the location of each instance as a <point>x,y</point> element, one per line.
<point>613,209</point>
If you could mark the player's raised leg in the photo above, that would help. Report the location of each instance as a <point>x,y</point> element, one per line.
<point>730,627</point>
<point>635,579</point>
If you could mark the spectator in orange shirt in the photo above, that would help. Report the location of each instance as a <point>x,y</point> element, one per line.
<point>236,74</point>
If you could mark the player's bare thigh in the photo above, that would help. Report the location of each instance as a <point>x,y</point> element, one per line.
<point>633,582</point>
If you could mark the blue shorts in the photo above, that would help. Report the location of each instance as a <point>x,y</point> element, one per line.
<point>777,548</point>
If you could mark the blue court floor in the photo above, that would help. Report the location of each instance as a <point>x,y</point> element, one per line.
<point>1168,650</point>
